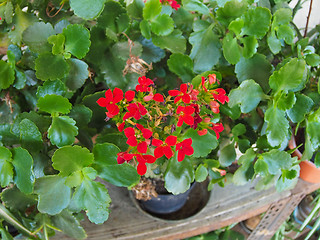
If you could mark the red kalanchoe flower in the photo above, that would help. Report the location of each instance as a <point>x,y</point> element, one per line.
<point>129,95</point>
<point>110,101</point>
<point>144,84</point>
<point>156,97</point>
<point>182,94</point>
<point>131,135</point>
<point>220,95</point>
<point>135,110</point>
<point>164,148</point>
<point>174,4</point>
<point>213,79</point>
<point>142,147</point>
<point>142,160</point>
<point>186,115</point>
<point>214,105</point>
<point>184,148</point>
<point>217,128</point>
<point>146,133</point>
<point>124,157</point>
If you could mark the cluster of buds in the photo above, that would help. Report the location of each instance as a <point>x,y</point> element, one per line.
<point>154,124</point>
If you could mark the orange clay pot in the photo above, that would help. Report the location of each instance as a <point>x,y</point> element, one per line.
<point>308,171</point>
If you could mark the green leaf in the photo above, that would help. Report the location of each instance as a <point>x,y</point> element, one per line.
<point>5,235</point>
<point>201,173</point>
<point>152,9</point>
<point>70,159</point>
<point>236,26</point>
<point>122,50</point>
<point>181,65</point>
<point>317,159</point>
<point>314,134</point>
<point>282,16</point>
<point>256,22</point>
<point>227,155</point>
<point>313,60</point>
<point>245,172</point>
<point>49,66</point>
<point>8,12</point>
<point>69,225</point>
<point>257,68</point>
<point>78,73</point>
<point>36,37</point>
<point>277,160</point>
<point>274,43</point>
<point>122,175</point>
<point>16,200</point>
<point>55,87</point>
<point>238,130</point>
<point>6,168</point>
<point>284,182</point>
<point>94,198</point>
<point>302,106</point>
<point>53,194</point>
<point>286,101</point>
<point>248,95</point>
<point>195,5</point>
<point>30,136</point>
<point>289,76</point>
<point>21,79</point>
<point>62,131</point>
<point>6,75</point>
<point>81,114</point>
<point>202,145</point>
<point>286,33</point>
<point>77,40</point>
<point>162,25</point>
<point>145,29</point>
<point>205,50</point>
<point>58,43</point>
<point>135,8</point>
<point>179,175</point>
<point>87,9</point>
<point>277,126</point>
<point>23,167</point>
<point>174,42</point>
<point>250,45</point>
<point>21,21</point>
<point>54,104</point>
<point>231,49</point>
<point>231,11</point>
<point>261,168</point>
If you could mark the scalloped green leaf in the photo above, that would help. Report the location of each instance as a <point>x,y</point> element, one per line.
<point>205,50</point>
<point>302,106</point>
<point>6,168</point>
<point>314,134</point>
<point>150,52</point>
<point>57,42</point>
<point>78,73</point>
<point>248,95</point>
<point>49,66</point>
<point>231,49</point>
<point>289,76</point>
<point>231,11</point>
<point>30,136</point>
<point>282,16</point>
<point>162,25</point>
<point>286,33</point>
<point>256,22</point>
<point>77,40</point>
<point>250,45</point>
<point>94,198</point>
<point>135,8</point>
<point>122,175</point>
<point>227,155</point>
<point>313,60</point>
<point>145,29</point>
<point>182,65</point>
<point>277,160</point>
<point>257,68</point>
<point>81,114</point>
<point>16,200</point>
<point>36,37</point>
<point>87,9</point>
<point>122,50</point>
<point>274,43</point>
<point>277,126</point>
<point>23,166</point>
<point>54,104</point>
<point>53,194</point>
<point>6,75</point>
<point>202,145</point>
<point>195,5</point>
<point>286,101</point>
<point>174,42</point>
<point>62,131</point>
<point>179,175</point>
<point>55,87</point>
<point>70,159</point>
<point>152,9</point>
<point>201,173</point>
<point>246,171</point>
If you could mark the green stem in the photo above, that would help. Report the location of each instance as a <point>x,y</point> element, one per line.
<point>8,217</point>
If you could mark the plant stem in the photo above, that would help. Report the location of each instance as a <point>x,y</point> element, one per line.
<point>8,217</point>
<point>308,18</point>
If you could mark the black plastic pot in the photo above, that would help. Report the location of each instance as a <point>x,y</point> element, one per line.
<point>166,203</point>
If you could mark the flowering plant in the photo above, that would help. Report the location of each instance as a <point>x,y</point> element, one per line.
<point>150,120</point>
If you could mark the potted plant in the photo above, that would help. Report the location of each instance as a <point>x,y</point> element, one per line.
<point>58,58</point>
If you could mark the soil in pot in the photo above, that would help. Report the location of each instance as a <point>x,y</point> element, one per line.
<point>176,207</point>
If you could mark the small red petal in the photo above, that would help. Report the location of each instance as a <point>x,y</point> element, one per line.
<point>180,109</point>
<point>142,147</point>
<point>181,156</point>
<point>174,92</point>
<point>168,151</point>
<point>132,141</point>
<point>188,151</point>
<point>202,132</point>
<point>158,152</point>
<point>102,102</point>
<point>141,168</point>
<point>139,126</point>
<point>120,126</point>
<point>109,96</point>
<point>187,142</point>
<point>146,133</point>
<point>180,122</point>
<point>117,95</point>
<point>158,97</point>
<point>171,140</point>
<point>156,142</point>
<point>184,88</point>
<point>129,131</point>
<point>148,98</point>
<point>129,95</point>
<point>149,158</point>
<point>127,156</point>
<point>113,109</point>
<point>188,110</point>
<point>188,120</point>
<point>186,98</point>
<point>142,109</point>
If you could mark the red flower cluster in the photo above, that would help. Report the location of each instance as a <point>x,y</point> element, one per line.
<point>172,3</point>
<point>146,117</point>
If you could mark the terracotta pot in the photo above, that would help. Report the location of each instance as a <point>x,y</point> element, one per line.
<point>308,171</point>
